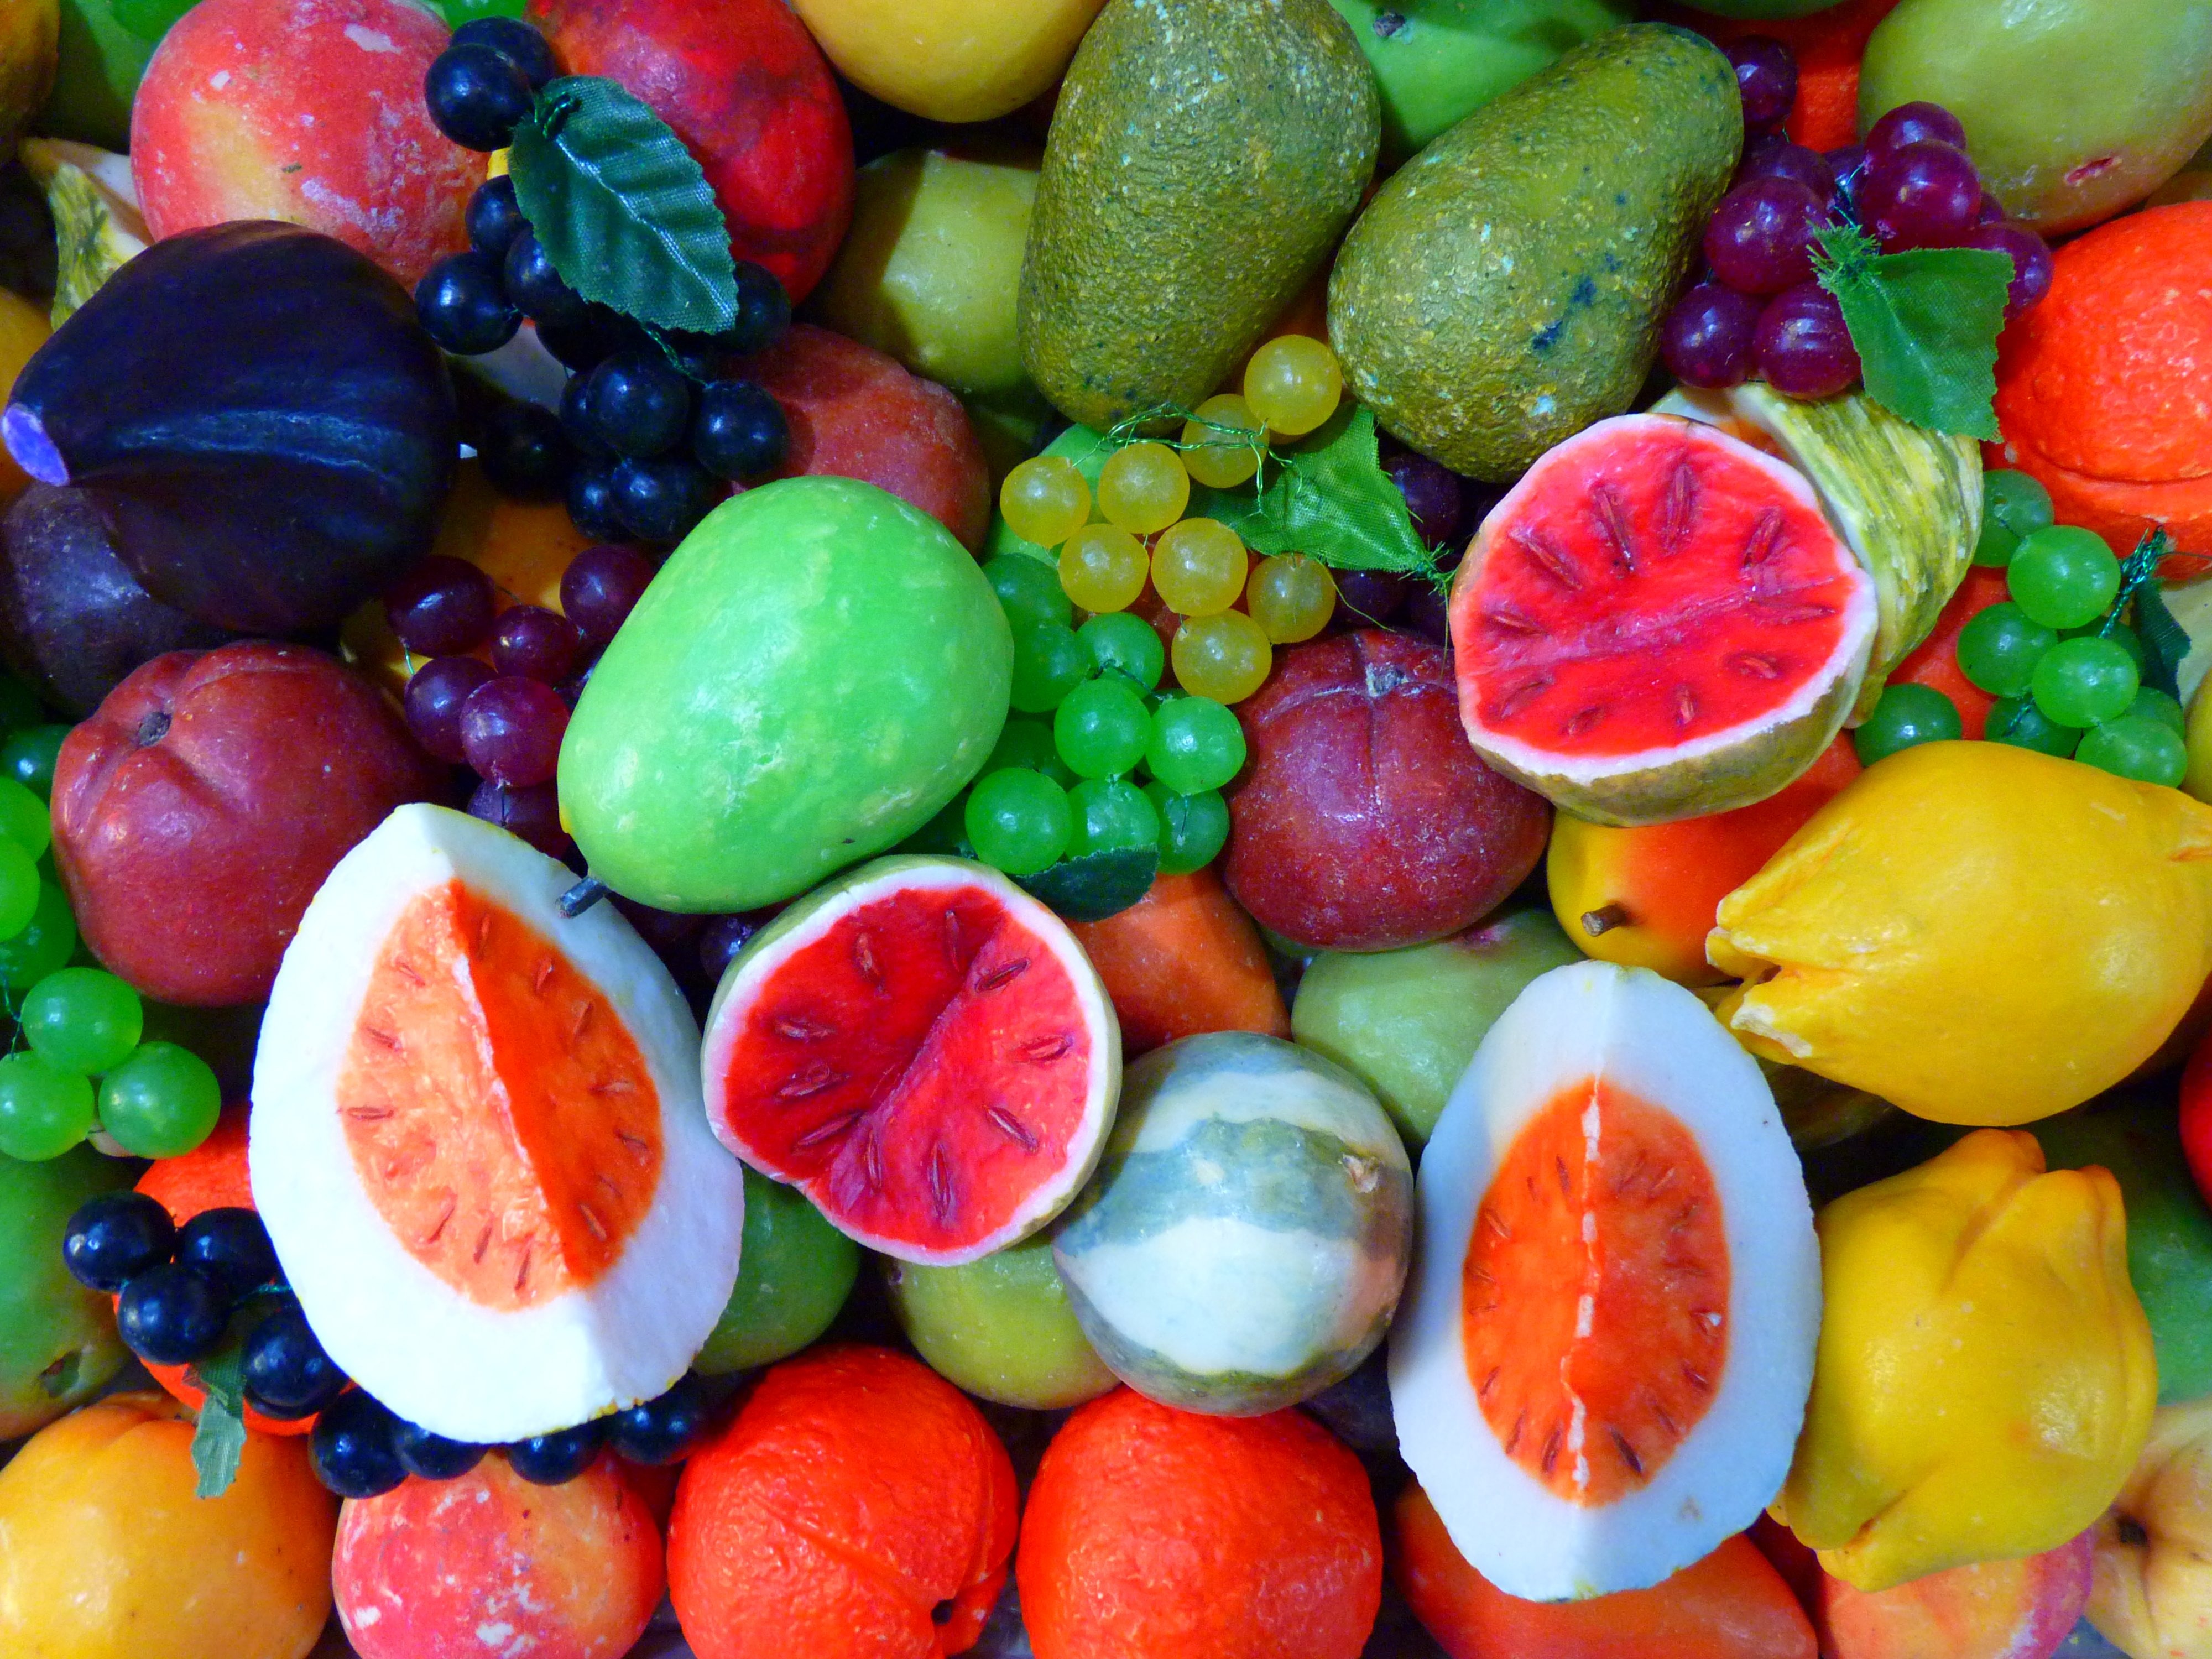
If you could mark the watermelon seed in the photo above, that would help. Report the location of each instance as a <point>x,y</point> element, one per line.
<point>406,971</point>
<point>592,1220</point>
<point>941,1204</point>
<point>613,1085</point>
<point>583,1018</point>
<point>483,1243</point>
<point>1514,1438</point>
<point>483,930</point>
<point>1679,510</point>
<point>872,1162</point>
<point>542,977</point>
<point>1659,1410</point>
<point>1482,1389</point>
<point>1042,1051</point>
<point>388,1039</point>
<point>1687,1214</point>
<point>1613,524</point>
<point>1583,719</point>
<point>368,1113</point>
<point>1602,920</point>
<point>1496,1223</point>
<point>1685,705</point>
<point>811,1080</point>
<point>1549,557</point>
<point>1551,1458</point>
<point>997,978</point>
<point>799,1030</point>
<point>522,1273</point>
<point>607,1182</point>
<point>828,1129</point>
<point>1627,1452</point>
<point>952,937</point>
<point>1696,1378</point>
<point>1766,538</point>
<point>1666,1180</point>
<point>864,958</point>
<point>1566,1180</point>
<point>1011,1126</point>
<point>1521,697</point>
<point>640,1148</point>
<point>1512,620</point>
<point>445,1215</point>
<point>1758,667</point>
<point>1780,614</point>
<point>1623,1179</point>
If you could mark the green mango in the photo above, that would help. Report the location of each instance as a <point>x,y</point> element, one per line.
<point>813,674</point>
<point>57,1341</point>
<point>2169,1226</point>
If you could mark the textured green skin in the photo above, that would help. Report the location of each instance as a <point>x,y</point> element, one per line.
<point>1447,58</point>
<point>1204,157</point>
<point>1505,289</point>
<point>818,670</point>
<point>46,1318</point>
<point>794,1271</point>
<point>1000,1328</point>
<point>2047,88</point>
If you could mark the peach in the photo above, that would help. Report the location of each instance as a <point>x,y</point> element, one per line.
<point>490,1565</point>
<point>2022,1609</point>
<point>856,413</point>
<point>2151,1591</point>
<point>307,111</point>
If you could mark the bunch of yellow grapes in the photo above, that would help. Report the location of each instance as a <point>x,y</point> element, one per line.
<point>1199,566</point>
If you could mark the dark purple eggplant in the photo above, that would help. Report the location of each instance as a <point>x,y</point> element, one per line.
<point>265,430</point>
<point>73,621</point>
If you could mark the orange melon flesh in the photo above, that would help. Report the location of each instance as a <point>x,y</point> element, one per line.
<point>470,1005</point>
<point>1595,1293</point>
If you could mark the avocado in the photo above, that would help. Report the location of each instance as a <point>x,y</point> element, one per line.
<point>1204,158</point>
<point>1505,289</point>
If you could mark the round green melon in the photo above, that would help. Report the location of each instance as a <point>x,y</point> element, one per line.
<point>818,669</point>
<point>1244,1241</point>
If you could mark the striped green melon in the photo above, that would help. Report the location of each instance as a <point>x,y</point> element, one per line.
<point>1244,1241</point>
<point>1908,501</point>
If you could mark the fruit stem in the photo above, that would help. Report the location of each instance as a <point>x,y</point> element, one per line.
<point>1603,920</point>
<point>581,897</point>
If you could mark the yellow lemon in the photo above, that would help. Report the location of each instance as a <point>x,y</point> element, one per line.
<point>949,60</point>
<point>1977,932</point>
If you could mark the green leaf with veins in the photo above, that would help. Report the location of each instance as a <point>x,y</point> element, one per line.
<point>1926,324</point>
<point>1331,499</point>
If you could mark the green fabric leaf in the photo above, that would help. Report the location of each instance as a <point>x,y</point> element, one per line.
<point>219,1438</point>
<point>1331,500</point>
<point>2166,642</point>
<point>1097,885</point>
<point>622,208</point>
<point>1925,324</point>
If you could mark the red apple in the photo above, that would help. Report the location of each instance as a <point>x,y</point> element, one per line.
<point>1365,822</point>
<point>2022,1609</point>
<point>200,807</point>
<point>743,84</point>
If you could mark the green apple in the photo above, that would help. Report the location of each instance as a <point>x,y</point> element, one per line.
<point>1001,1327</point>
<point>1406,1022</point>
<point>932,268</point>
<point>1436,60</point>
<point>96,76</point>
<point>794,1271</point>
<point>57,1341</point>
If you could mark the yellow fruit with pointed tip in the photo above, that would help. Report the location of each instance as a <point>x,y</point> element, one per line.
<point>1976,933</point>
<point>949,60</point>
<point>1985,1379</point>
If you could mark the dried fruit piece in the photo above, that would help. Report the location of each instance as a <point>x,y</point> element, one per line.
<point>923,1050</point>
<point>1656,622</point>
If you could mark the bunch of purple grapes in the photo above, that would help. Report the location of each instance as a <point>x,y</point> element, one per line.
<point>1759,309</point>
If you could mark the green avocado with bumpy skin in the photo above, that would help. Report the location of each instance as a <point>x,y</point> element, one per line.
<point>1505,289</point>
<point>1204,158</point>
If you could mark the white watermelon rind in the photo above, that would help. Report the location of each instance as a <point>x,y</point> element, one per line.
<point>1660,1043</point>
<point>414,1342</point>
<point>806,921</point>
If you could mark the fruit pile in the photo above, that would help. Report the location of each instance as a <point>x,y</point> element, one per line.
<point>1116,830</point>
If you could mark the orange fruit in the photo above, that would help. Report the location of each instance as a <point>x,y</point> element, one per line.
<point>1184,960</point>
<point>1934,661</point>
<point>859,1504</point>
<point>1155,1534</point>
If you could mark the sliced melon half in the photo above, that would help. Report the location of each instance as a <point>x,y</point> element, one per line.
<point>478,1139</point>
<point>1602,1362</point>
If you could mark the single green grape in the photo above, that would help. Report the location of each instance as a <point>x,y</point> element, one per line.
<point>2151,703</point>
<point>1045,500</point>
<point>1111,814</point>
<point>1293,383</point>
<point>1019,821</point>
<point>1193,829</point>
<point>1142,488</point>
<point>1291,597</point>
<point>2018,722</point>
<point>2062,576</point>
<point>1027,742</point>
<point>1127,645</point>
<point>1220,460</point>
<point>2137,746</point>
<point>45,1110</point>
<point>1102,568</point>
<point>1907,714</point>
<point>160,1102</point>
<point>2084,682</point>
<point>1999,648</point>
<point>19,889</point>
<point>24,819</point>
<point>19,704</point>
<point>1028,589</point>
<point>1049,662</point>
<point>2119,633</point>
<point>1101,728</point>
<point>1198,567</point>
<point>46,944</point>
<point>2014,505</point>
<point>83,1020</point>
<point>1197,745</point>
<point>28,755</point>
<point>1225,658</point>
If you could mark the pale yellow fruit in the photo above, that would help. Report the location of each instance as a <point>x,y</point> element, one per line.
<point>949,60</point>
<point>2152,1594</point>
<point>30,40</point>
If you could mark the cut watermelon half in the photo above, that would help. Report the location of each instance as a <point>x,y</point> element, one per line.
<point>1658,621</point>
<point>478,1142</point>
<point>922,1050</point>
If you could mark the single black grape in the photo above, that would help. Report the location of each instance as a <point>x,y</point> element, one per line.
<point>288,1375</point>
<point>661,1431</point>
<point>230,1245</point>
<point>602,586</point>
<point>462,304</point>
<point>532,813</point>
<point>763,311</point>
<point>477,95</point>
<point>495,217</point>
<point>433,699</point>
<point>661,501</point>
<point>550,1460</point>
<point>723,937</point>
<point>514,40</point>
<point>1765,77</point>
<point>575,415</point>
<point>432,1456</point>
<point>738,430</point>
<point>352,1447</point>
<point>114,1237</point>
<point>1369,598</point>
<point>442,606</point>
<point>171,1314</point>
<point>526,453</point>
<point>593,507</point>
<point>533,285</point>
<point>1433,496</point>
<point>638,402</point>
<point>536,643</point>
